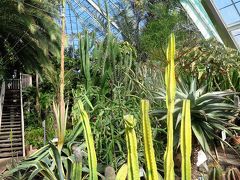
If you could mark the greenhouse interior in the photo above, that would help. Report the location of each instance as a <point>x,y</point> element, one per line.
<point>119,89</point>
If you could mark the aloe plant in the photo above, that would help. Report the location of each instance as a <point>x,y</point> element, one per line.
<point>170,96</point>
<point>61,119</point>
<point>186,140</point>
<point>151,165</point>
<point>132,160</point>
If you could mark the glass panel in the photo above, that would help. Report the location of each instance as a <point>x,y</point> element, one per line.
<point>235,32</point>
<point>238,6</point>
<point>237,40</point>
<point>222,3</point>
<point>230,15</point>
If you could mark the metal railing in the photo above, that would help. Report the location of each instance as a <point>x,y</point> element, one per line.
<point>22,115</point>
<point>2,95</point>
<point>12,84</point>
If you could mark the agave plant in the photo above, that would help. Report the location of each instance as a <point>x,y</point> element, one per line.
<point>211,112</point>
<point>66,162</point>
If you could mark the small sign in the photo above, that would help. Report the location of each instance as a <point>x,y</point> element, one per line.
<point>202,158</point>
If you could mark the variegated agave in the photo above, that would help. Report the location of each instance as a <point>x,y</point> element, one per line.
<point>211,112</point>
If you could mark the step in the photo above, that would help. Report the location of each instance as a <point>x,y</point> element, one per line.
<point>8,133</point>
<point>11,154</point>
<point>6,123</point>
<point>11,120</point>
<point>7,137</point>
<point>13,140</point>
<point>4,126</point>
<point>11,113</point>
<point>14,144</point>
<point>14,114</point>
<point>17,105</point>
<point>10,149</point>
<point>14,129</point>
<point>11,116</point>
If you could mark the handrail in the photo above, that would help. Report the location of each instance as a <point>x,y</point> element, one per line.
<point>22,116</point>
<point>2,101</point>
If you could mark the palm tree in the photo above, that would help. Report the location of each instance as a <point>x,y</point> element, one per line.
<point>28,32</point>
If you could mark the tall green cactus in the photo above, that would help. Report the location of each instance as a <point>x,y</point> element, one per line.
<point>133,168</point>
<point>92,158</point>
<point>186,140</point>
<point>84,45</point>
<point>170,96</point>
<point>151,165</point>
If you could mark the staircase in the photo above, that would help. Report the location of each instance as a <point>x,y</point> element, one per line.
<point>11,127</point>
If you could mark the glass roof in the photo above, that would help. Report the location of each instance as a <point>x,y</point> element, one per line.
<point>229,11</point>
<point>90,15</point>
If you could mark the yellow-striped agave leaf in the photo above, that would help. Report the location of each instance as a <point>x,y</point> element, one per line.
<point>151,166</point>
<point>186,140</point>
<point>170,96</point>
<point>92,158</point>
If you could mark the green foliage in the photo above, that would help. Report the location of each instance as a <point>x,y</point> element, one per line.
<point>211,63</point>
<point>85,46</point>
<point>29,29</point>
<point>210,111</point>
<point>161,23</point>
<point>216,172</point>
<point>34,136</point>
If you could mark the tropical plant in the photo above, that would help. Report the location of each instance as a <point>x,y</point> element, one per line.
<point>163,18</point>
<point>211,62</point>
<point>64,163</point>
<point>211,112</point>
<point>28,32</point>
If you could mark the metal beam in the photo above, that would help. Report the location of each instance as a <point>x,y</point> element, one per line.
<point>219,24</point>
